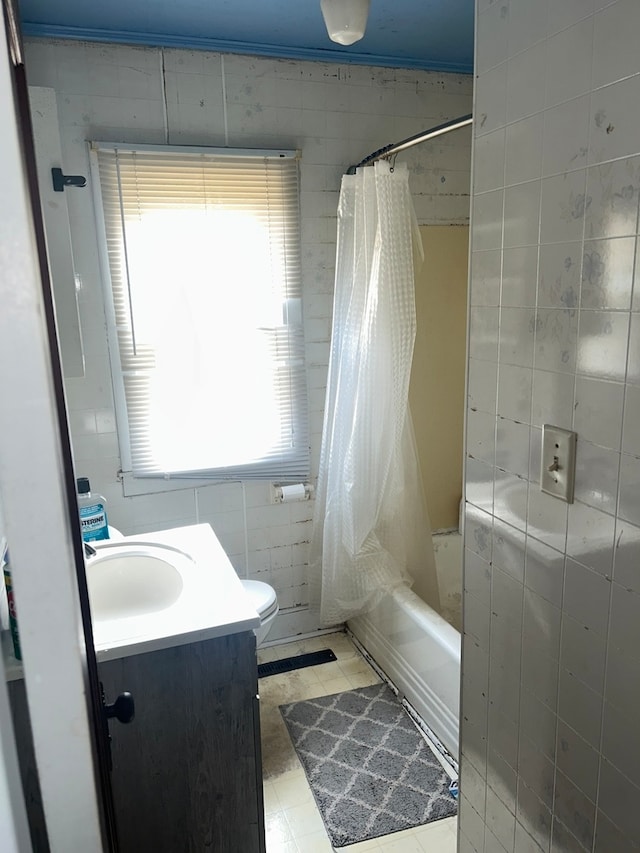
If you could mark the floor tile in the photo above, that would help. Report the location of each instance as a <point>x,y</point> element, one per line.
<point>438,837</point>
<point>289,650</point>
<point>307,677</point>
<point>277,829</point>
<point>400,842</point>
<point>292,789</point>
<point>329,670</point>
<point>450,822</point>
<point>355,666</point>
<point>317,644</point>
<point>362,846</point>
<point>304,820</point>
<point>282,847</point>
<point>343,648</point>
<point>313,690</point>
<point>267,655</point>
<point>363,679</point>
<point>278,754</point>
<point>448,843</point>
<point>317,842</point>
<point>336,685</point>
<point>271,801</point>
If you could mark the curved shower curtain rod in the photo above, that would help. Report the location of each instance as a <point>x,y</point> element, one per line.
<point>395,147</point>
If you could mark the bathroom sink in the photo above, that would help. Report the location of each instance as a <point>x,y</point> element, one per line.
<point>161,589</point>
<point>133,580</point>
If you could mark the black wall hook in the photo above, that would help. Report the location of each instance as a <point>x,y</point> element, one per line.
<point>61,181</point>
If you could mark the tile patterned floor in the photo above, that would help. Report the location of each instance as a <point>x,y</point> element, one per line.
<point>293,823</point>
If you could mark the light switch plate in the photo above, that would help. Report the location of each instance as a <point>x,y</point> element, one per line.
<point>558,462</point>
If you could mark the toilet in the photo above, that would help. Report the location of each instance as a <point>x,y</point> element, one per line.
<point>265,603</point>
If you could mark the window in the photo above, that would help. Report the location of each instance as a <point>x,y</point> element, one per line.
<point>206,344</point>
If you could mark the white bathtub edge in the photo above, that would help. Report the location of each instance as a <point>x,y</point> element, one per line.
<point>403,634</point>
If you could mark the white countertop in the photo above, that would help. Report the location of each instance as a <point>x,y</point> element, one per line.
<point>212,602</point>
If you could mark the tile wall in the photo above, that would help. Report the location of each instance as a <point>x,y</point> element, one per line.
<point>336,115</point>
<point>551,666</point>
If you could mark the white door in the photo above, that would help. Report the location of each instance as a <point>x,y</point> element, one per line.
<point>37,495</point>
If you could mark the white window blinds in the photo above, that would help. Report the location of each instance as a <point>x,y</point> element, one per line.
<point>206,341</point>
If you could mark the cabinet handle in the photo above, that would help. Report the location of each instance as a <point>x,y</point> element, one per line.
<point>123,709</point>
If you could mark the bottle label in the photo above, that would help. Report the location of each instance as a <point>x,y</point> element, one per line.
<point>93,522</point>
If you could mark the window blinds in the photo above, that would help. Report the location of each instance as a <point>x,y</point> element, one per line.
<point>206,337</point>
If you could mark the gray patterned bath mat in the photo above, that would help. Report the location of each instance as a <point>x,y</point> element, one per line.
<point>369,768</point>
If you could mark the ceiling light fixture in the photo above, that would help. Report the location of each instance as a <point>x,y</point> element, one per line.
<point>346,20</point>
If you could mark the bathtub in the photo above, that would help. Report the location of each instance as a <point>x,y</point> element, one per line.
<point>419,651</point>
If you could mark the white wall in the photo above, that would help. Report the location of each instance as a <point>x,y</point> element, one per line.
<point>13,817</point>
<point>336,115</point>
<point>551,661</point>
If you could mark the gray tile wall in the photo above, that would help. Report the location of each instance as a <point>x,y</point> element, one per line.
<point>551,661</point>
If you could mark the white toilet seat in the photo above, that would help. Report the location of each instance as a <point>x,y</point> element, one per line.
<point>263,598</point>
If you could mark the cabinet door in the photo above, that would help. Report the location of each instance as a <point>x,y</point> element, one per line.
<point>186,770</point>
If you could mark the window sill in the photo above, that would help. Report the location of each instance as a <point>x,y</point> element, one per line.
<point>134,486</point>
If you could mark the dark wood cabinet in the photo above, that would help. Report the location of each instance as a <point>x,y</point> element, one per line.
<point>187,775</point>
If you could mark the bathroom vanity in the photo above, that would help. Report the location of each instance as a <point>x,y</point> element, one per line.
<point>187,773</point>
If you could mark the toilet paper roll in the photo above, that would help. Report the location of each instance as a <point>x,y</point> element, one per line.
<point>296,492</point>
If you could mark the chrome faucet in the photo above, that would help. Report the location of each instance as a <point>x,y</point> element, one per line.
<point>89,550</point>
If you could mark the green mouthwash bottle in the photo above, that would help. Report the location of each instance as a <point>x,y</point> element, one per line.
<point>93,513</point>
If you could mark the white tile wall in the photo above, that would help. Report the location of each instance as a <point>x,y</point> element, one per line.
<point>335,115</point>
<point>550,748</point>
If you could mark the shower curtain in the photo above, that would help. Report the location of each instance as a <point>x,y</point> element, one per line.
<point>371,531</point>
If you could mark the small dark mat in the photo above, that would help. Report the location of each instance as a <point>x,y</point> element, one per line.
<point>275,667</point>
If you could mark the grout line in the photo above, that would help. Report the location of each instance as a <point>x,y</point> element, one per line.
<point>224,101</point>
<point>521,687</point>
<point>301,637</point>
<point>244,521</point>
<point>165,115</point>
<point>605,672</point>
<point>556,769</point>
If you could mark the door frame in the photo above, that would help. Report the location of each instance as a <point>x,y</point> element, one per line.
<point>37,493</point>
<point>14,830</point>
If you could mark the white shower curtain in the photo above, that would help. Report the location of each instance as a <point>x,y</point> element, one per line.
<point>371,531</point>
